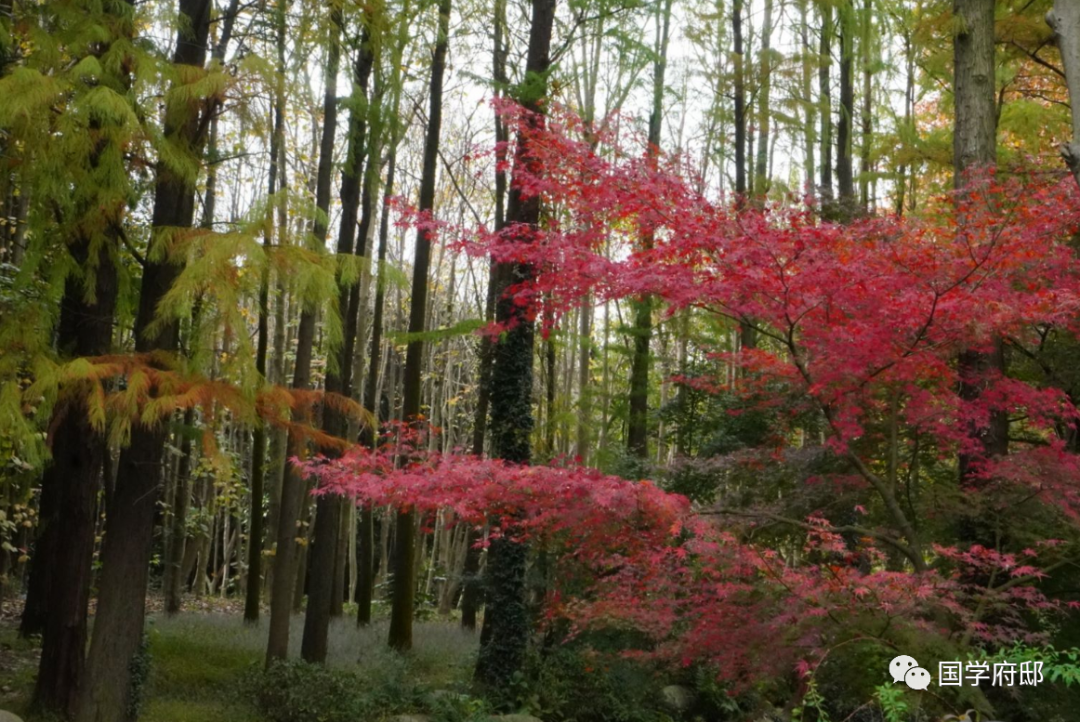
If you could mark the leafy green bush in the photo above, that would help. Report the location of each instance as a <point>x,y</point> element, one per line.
<point>295,691</point>
<point>570,683</point>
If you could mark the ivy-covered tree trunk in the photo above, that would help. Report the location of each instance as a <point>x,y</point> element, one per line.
<point>504,637</point>
<point>322,555</point>
<point>293,484</point>
<point>404,582</point>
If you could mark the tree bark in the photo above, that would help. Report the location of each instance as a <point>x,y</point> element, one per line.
<point>761,169</point>
<point>293,484</point>
<point>845,178</point>
<point>974,153</point>
<point>322,553</point>
<point>404,582</point>
<point>637,438</point>
<point>106,694</point>
<point>505,633</point>
<point>824,91</point>
<point>738,60</point>
<point>1064,20</point>
<point>73,478</point>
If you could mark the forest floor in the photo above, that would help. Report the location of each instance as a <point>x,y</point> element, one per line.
<point>204,663</point>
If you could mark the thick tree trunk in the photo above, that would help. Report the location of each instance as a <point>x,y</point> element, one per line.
<point>505,633</point>
<point>404,583</point>
<point>106,695</point>
<point>975,152</point>
<point>1064,19</point>
<point>73,476</point>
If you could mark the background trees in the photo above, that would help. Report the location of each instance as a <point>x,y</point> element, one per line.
<point>175,327</point>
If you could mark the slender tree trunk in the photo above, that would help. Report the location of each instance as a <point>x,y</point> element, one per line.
<point>293,484</point>
<point>404,583</point>
<point>505,633</point>
<point>761,169</point>
<point>866,55</point>
<point>637,439</point>
<point>825,94</point>
<point>810,118</point>
<point>366,554</point>
<point>738,61</point>
<point>173,584</point>
<point>258,444</point>
<point>322,553</point>
<point>483,399</point>
<point>845,179</point>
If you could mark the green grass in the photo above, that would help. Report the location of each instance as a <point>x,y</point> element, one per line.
<point>202,664</point>
<point>198,672</point>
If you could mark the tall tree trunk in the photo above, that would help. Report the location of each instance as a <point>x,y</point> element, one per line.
<point>637,438</point>
<point>173,585</point>
<point>738,61</point>
<point>761,169</point>
<point>106,694</point>
<point>86,319</point>
<point>322,553</point>
<point>975,152</point>
<point>845,178</point>
<point>504,636</point>
<point>258,444</point>
<point>293,484</point>
<point>404,582</point>
<point>366,555</point>
<point>866,55</point>
<point>1064,19</point>
<point>807,99</point>
<point>825,94</point>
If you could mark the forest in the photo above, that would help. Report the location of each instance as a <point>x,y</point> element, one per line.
<point>539,360</point>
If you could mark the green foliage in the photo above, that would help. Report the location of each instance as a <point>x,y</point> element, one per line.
<point>295,691</point>
<point>893,703</point>
<point>140,674</point>
<point>568,683</point>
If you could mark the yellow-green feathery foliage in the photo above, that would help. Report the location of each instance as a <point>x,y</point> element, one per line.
<point>70,119</point>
